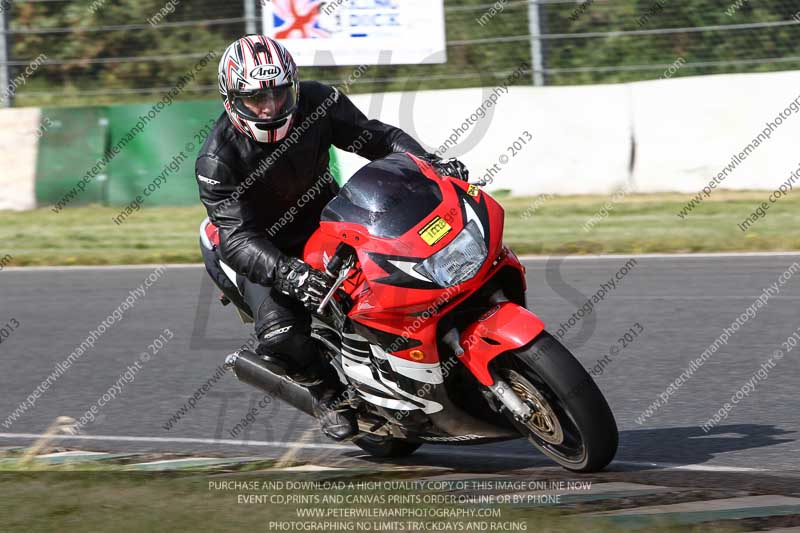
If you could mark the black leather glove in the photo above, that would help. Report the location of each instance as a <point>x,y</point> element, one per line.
<point>448,167</point>
<point>294,277</point>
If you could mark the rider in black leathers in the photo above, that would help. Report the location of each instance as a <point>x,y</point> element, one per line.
<point>264,179</point>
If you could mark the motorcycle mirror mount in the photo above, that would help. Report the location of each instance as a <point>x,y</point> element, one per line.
<point>343,252</point>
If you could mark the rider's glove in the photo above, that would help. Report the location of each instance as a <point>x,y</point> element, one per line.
<point>297,279</point>
<point>448,167</point>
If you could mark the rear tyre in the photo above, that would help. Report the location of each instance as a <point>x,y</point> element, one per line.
<point>572,423</point>
<point>385,447</point>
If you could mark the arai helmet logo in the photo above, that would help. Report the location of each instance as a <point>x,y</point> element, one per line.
<point>266,72</point>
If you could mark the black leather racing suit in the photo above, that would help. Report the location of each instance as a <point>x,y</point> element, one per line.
<point>266,199</point>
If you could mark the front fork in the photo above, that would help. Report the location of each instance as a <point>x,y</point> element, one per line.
<point>503,392</point>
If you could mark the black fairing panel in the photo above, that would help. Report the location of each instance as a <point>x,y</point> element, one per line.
<point>388,197</point>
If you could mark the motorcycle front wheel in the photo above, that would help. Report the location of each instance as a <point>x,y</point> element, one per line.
<point>571,422</point>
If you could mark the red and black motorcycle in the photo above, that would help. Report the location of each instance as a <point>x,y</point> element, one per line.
<point>427,325</point>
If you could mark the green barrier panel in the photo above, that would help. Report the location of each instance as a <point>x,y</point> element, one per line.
<point>72,144</point>
<point>158,163</point>
<point>156,156</point>
<point>143,156</point>
<point>334,166</point>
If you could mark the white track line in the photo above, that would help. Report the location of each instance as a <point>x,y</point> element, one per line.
<point>317,446</point>
<point>694,468</point>
<point>185,440</point>
<point>720,255</point>
<point>668,466</point>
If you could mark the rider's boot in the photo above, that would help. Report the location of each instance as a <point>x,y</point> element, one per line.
<point>336,418</point>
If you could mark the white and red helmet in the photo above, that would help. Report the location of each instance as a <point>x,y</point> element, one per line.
<point>259,87</point>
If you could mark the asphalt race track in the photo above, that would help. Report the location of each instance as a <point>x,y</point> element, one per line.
<point>681,302</point>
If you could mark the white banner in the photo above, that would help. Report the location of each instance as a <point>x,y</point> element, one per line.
<point>358,32</point>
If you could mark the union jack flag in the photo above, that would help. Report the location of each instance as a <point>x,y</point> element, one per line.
<point>298,19</point>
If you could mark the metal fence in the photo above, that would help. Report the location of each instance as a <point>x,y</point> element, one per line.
<point>106,51</point>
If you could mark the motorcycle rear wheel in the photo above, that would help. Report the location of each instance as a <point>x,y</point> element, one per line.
<point>572,423</point>
<point>385,447</point>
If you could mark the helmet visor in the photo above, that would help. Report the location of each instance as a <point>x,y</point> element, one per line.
<point>266,105</point>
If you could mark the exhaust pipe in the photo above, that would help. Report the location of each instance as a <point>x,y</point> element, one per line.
<point>249,368</point>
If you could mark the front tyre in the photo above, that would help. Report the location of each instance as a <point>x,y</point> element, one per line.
<point>571,422</point>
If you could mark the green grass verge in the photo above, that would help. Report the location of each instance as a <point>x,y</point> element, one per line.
<point>134,502</point>
<point>636,224</point>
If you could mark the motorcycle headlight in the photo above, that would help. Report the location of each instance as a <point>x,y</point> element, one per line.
<point>459,260</point>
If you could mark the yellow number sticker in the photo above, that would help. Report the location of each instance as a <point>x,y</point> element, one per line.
<point>434,230</point>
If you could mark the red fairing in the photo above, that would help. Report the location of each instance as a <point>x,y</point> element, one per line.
<point>402,310</point>
<point>508,324</point>
<point>212,232</point>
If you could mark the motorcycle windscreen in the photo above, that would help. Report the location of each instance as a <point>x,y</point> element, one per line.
<point>388,197</point>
